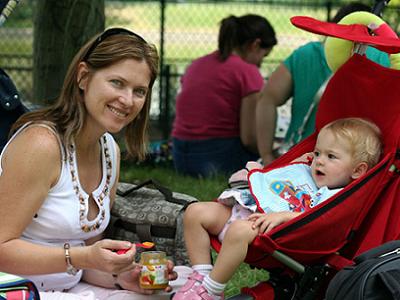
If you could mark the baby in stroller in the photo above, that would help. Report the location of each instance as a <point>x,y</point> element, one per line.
<point>345,150</point>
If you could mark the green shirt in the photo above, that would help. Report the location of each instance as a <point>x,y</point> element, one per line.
<point>309,70</point>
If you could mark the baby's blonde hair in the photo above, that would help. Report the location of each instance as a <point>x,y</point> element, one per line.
<point>363,136</point>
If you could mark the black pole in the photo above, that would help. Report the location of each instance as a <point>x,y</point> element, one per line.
<point>162,91</point>
<point>167,86</point>
<point>328,10</point>
<point>378,7</point>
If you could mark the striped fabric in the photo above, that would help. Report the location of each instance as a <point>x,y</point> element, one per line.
<point>16,288</point>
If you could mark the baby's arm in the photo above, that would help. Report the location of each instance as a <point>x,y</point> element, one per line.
<point>268,221</point>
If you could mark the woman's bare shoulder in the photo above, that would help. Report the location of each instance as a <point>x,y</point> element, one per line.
<point>34,145</point>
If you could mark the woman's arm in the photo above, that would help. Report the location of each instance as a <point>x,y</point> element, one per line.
<point>276,92</point>
<point>248,122</point>
<point>31,166</point>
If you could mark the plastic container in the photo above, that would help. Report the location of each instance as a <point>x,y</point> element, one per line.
<point>154,273</point>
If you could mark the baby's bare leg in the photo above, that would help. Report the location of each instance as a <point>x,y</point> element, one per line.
<point>200,220</point>
<point>234,250</point>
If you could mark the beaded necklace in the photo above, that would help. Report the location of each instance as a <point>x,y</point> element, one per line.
<point>83,206</point>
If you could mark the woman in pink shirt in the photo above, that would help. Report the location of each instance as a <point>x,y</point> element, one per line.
<point>214,127</point>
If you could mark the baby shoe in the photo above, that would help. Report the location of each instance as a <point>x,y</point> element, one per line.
<point>198,292</point>
<point>195,280</point>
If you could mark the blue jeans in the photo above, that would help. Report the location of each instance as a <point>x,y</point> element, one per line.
<point>210,157</point>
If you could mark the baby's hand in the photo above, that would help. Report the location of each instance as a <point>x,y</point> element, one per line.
<point>241,175</point>
<point>305,158</point>
<point>266,222</point>
<point>251,165</point>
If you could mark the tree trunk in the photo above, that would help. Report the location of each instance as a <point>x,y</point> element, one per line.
<point>61,27</point>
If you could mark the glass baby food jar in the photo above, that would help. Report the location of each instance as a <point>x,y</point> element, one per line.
<point>154,273</point>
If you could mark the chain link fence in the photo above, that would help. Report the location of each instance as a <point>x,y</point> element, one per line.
<point>182,30</point>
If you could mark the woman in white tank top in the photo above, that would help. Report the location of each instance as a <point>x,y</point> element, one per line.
<point>59,171</point>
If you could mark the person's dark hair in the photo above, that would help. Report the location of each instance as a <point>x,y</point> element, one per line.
<point>68,113</point>
<point>350,8</point>
<point>238,32</point>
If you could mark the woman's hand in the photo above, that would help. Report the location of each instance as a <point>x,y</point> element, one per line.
<point>266,222</point>
<point>172,275</point>
<point>102,256</point>
<point>130,280</point>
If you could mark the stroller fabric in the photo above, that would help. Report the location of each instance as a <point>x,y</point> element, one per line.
<point>386,42</point>
<point>364,214</point>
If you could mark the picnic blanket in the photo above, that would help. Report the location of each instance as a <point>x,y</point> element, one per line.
<point>13,287</point>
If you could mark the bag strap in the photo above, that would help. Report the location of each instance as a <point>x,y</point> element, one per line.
<point>378,251</point>
<point>167,193</point>
<point>307,117</point>
<point>391,280</point>
<point>144,232</point>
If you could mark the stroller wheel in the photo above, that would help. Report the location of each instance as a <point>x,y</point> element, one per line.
<point>276,288</point>
<point>284,287</point>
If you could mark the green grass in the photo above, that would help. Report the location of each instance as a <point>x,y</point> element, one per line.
<point>202,189</point>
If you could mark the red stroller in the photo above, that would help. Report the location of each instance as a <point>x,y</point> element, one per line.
<point>363,215</point>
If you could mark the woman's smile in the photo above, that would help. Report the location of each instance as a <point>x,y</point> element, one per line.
<point>117,112</point>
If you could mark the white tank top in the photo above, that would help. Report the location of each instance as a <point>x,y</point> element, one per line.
<point>58,220</point>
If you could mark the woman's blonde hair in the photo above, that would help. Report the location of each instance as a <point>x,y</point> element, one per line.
<point>363,136</point>
<point>68,113</point>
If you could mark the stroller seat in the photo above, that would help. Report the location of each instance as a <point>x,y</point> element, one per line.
<point>364,214</point>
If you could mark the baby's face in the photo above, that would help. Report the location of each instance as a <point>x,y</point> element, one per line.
<point>332,165</point>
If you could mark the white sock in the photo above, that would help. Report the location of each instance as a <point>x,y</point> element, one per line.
<point>202,269</point>
<point>212,286</point>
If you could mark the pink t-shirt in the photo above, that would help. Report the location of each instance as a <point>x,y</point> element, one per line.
<point>208,105</point>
